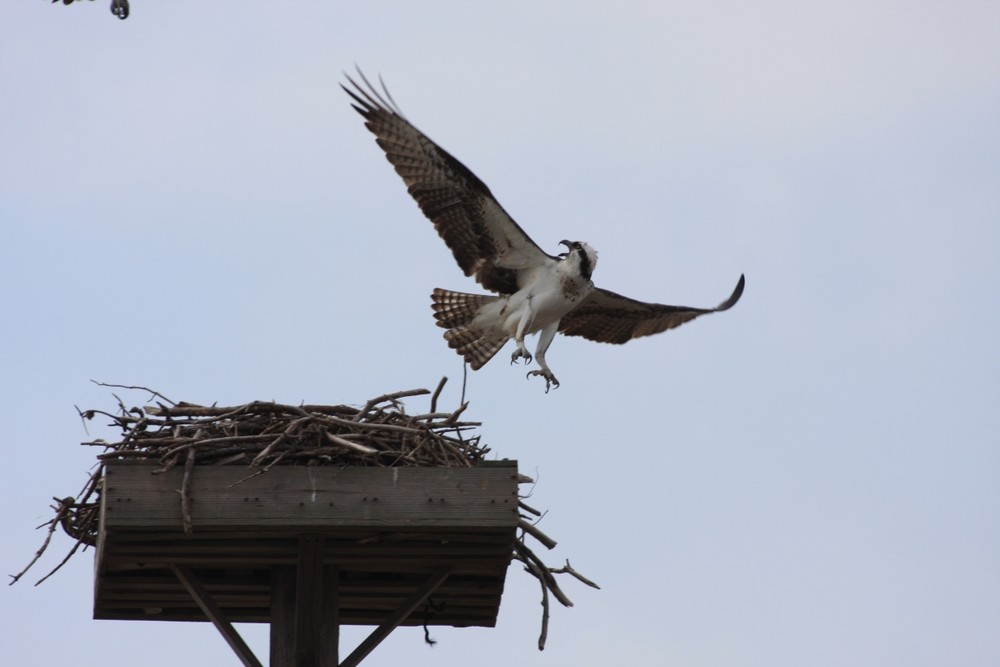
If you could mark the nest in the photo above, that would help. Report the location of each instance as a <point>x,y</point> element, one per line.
<point>264,434</point>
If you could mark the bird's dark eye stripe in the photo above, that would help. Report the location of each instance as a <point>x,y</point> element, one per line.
<point>586,270</point>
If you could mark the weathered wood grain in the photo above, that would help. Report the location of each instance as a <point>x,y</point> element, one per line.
<point>309,497</point>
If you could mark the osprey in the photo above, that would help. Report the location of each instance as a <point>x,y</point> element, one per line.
<point>535,292</point>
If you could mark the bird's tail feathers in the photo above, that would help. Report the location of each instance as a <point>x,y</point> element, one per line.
<point>455,312</point>
<point>454,309</point>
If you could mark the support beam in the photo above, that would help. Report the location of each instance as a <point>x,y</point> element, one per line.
<point>397,617</point>
<point>283,616</point>
<point>329,636</point>
<point>309,591</point>
<point>215,615</point>
<point>305,606</point>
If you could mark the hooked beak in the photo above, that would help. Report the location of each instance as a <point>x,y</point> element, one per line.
<point>569,246</point>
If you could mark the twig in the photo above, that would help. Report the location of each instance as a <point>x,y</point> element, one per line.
<point>125,386</point>
<point>62,511</point>
<point>186,492</point>
<point>465,378</point>
<point>453,419</point>
<point>437,392</point>
<point>537,570</point>
<point>274,443</point>
<point>393,398</point>
<point>528,508</point>
<point>248,477</point>
<point>533,530</point>
<point>343,442</point>
<point>567,569</point>
<point>61,563</point>
<point>550,581</point>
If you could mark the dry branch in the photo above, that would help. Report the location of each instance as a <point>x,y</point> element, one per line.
<point>186,492</point>
<point>533,530</point>
<point>568,569</point>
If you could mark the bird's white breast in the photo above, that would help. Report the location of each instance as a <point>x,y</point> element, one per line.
<point>549,292</point>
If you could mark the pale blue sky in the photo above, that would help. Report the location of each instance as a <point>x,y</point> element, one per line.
<point>812,478</point>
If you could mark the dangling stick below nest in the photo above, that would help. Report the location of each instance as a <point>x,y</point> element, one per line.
<point>186,492</point>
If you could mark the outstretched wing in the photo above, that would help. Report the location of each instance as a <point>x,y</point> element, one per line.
<point>485,241</point>
<point>607,317</point>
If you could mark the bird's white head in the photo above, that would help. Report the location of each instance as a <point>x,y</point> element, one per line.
<point>582,255</point>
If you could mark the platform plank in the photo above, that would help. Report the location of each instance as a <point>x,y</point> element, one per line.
<point>385,530</point>
<point>311,497</point>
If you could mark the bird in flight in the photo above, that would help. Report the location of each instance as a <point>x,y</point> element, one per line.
<point>535,292</point>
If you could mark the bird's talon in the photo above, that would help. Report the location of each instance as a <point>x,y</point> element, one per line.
<point>518,354</point>
<point>550,379</point>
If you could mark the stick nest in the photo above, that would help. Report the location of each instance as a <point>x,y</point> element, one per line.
<point>263,434</point>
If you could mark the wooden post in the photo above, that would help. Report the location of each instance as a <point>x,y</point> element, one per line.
<point>283,616</point>
<point>329,632</point>
<point>305,623</point>
<point>309,601</point>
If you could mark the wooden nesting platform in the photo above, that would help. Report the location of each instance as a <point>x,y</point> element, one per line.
<point>386,532</point>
